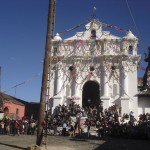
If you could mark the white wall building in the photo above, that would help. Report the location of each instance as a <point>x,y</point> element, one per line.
<point>143,98</point>
<point>93,65</point>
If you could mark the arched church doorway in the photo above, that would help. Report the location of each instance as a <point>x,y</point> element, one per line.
<point>91,94</point>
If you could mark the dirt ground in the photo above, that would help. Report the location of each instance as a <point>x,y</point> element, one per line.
<point>65,143</point>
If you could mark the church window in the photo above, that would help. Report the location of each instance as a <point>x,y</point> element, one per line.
<point>113,68</point>
<point>93,34</point>
<point>91,68</point>
<point>130,49</point>
<point>71,68</point>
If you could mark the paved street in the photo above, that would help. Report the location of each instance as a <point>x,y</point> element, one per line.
<point>65,143</point>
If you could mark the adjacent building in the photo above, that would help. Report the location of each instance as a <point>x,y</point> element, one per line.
<point>10,104</point>
<point>143,98</point>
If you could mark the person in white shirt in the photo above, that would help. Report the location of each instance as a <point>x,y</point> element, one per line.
<point>64,129</point>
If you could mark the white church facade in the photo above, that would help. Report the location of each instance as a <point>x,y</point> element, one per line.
<point>94,66</point>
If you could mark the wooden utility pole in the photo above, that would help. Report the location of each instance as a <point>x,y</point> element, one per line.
<point>53,24</point>
<point>45,74</point>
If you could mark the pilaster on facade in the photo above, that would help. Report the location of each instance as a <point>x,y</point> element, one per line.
<point>57,82</point>
<point>57,100</point>
<point>125,105</point>
<point>124,82</point>
<point>104,81</point>
<point>105,102</point>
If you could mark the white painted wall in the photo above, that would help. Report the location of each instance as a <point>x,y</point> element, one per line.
<point>144,105</point>
<point>111,45</point>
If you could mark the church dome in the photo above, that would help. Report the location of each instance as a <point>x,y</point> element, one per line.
<point>57,37</point>
<point>129,35</point>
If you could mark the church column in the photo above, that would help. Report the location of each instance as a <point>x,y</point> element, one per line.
<point>73,87</point>
<point>124,89</point>
<point>58,82</point>
<point>76,92</point>
<point>55,82</point>
<point>57,99</point>
<point>78,84</point>
<point>104,82</point>
<point>124,82</point>
<point>105,88</point>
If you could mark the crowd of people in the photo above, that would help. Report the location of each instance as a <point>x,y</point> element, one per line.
<point>17,127</point>
<point>108,122</point>
<point>73,120</point>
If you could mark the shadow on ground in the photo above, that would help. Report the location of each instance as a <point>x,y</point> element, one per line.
<point>124,144</point>
<point>13,146</point>
<point>115,143</point>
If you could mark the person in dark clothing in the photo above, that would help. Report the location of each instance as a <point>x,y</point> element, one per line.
<point>71,131</point>
<point>88,130</point>
<point>15,128</point>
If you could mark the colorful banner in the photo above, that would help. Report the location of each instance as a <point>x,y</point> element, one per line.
<point>75,27</point>
<point>98,41</point>
<point>92,57</point>
<point>98,22</point>
<point>111,26</point>
<point>22,83</point>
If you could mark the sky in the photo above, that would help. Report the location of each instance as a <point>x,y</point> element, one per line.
<point>23,25</point>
